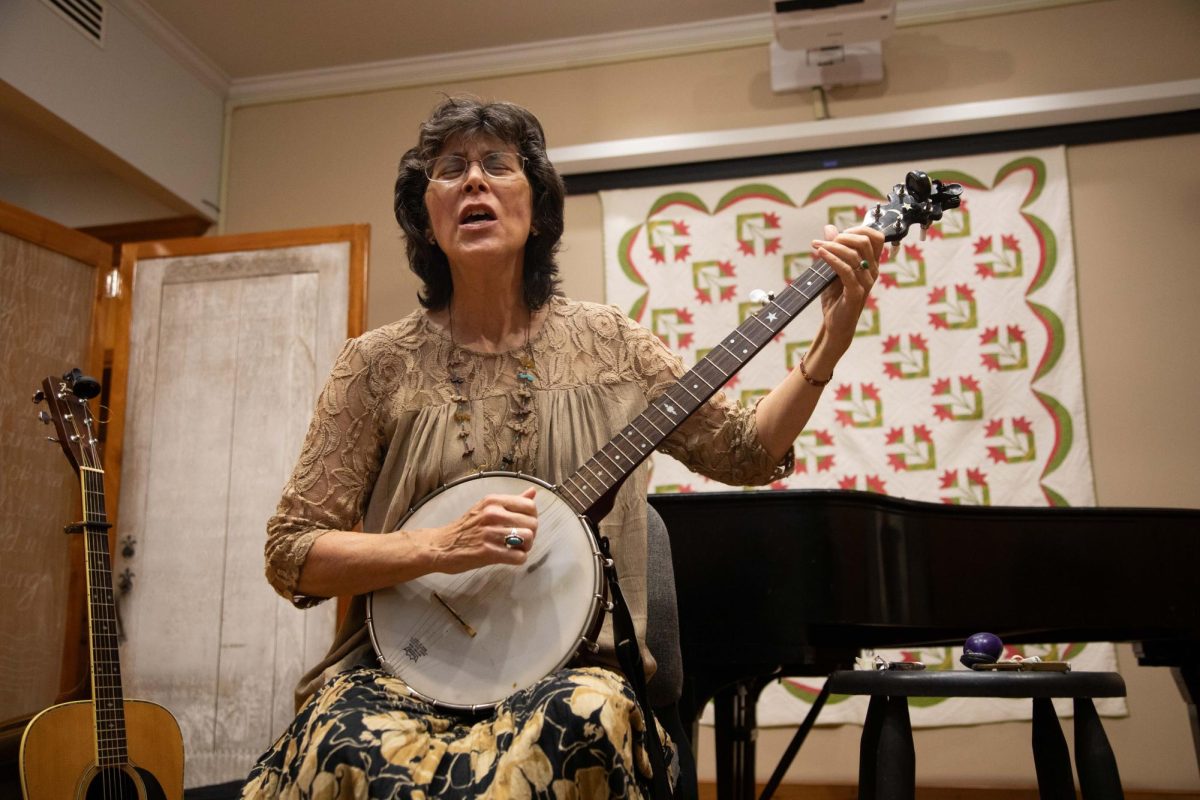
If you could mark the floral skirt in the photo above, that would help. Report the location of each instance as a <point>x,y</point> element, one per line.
<point>574,735</point>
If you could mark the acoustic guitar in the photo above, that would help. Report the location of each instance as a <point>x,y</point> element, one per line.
<point>467,641</point>
<point>107,747</point>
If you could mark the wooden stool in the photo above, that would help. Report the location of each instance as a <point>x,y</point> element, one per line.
<point>887,758</point>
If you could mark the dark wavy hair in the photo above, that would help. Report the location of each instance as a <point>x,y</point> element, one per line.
<point>515,126</point>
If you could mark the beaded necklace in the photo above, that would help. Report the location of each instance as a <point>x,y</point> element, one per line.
<point>520,411</point>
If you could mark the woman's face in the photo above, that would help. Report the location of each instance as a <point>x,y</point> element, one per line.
<point>478,215</point>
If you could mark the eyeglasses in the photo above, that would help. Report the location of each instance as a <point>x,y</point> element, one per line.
<point>499,166</point>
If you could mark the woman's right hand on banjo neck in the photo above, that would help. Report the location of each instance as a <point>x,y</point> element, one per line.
<point>348,562</point>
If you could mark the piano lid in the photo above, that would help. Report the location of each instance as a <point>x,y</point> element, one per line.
<point>767,576</point>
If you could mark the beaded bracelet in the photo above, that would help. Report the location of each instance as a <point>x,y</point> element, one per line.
<point>809,379</point>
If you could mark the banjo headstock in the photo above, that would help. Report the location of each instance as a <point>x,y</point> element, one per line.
<point>917,201</point>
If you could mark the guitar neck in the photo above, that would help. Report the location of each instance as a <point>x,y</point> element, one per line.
<point>107,696</point>
<point>590,489</point>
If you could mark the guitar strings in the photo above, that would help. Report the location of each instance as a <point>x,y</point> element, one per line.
<point>111,773</point>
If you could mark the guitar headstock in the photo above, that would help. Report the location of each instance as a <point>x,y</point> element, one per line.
<point>917,201</point>
<point>66,407</point>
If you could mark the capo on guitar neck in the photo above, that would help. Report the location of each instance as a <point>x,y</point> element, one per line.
<point>80,527</point>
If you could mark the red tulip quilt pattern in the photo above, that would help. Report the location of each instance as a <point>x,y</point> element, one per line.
<point>964,384</point>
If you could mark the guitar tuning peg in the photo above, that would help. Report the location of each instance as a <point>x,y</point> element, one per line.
<point>761,297</point>
<point>39,396</point>
<point>51,439</point>
<point>44,417</point>
<point>85,386</point>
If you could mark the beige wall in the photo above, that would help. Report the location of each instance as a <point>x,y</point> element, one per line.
<point>130,97</point>
<point>332,160</point>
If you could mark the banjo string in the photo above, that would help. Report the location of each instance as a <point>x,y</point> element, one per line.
<point>475,589</point>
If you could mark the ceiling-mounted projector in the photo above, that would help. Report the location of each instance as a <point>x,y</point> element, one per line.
<point>829,42</point>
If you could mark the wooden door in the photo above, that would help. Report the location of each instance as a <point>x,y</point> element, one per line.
<point>230,340</point>
<point>50,278</point>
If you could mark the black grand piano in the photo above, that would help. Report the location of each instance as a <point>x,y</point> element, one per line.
<point>797,582</point>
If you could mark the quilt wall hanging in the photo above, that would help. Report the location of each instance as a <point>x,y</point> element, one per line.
<point>964,384</point>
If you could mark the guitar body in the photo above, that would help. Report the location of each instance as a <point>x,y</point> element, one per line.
<point>58,755</point>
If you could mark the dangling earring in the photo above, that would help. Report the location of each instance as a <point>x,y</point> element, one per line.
<point>533,231</point>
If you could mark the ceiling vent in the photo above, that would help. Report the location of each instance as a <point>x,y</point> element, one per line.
<point>85,16</point>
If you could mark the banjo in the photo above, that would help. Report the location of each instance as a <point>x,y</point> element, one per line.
<point>466,641</point>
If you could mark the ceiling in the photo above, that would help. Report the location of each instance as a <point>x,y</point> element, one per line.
<point>263,37</point>
<point>236,42</point>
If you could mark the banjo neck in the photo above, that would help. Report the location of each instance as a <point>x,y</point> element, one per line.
<point>463,641</point>
<point>592,488</point>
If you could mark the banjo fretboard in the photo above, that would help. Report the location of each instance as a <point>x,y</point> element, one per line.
<point>604,472</point>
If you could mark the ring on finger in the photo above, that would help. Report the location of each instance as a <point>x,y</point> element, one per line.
<point>864,264</point>
<point>513,540</point>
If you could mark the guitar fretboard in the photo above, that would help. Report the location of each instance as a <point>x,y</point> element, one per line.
<point>605,471</point>
<point>107,696</point>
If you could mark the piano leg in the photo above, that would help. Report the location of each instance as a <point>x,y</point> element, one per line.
<point>735,730</point>
<point>1187,678</point>
<point>736,727</point>
<point>1184,660</point>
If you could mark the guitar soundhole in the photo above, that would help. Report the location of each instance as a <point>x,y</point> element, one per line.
<point>119,783</point>
<point>112,782</point>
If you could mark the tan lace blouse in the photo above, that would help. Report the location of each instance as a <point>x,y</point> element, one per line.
<point>384,434</point>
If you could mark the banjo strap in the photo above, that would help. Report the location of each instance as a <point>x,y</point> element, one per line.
<point>630,658</point>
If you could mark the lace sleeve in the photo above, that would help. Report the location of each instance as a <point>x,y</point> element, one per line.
<point>720,440</point>
<point>330,484</point>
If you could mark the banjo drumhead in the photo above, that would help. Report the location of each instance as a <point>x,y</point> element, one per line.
<point>473,638</point>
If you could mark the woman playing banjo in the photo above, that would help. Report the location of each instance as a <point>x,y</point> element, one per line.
<point>497,372</point>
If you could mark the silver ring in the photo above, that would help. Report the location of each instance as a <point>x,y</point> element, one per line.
<point>864,264</point>
<point>513,540</point>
